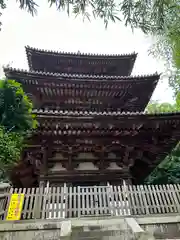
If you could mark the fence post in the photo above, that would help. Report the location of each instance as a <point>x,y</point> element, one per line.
<point>38,202</point>
<point>4,187</point>
<point>4,190</point>
<point>111,194</point>
<point>79,201</point>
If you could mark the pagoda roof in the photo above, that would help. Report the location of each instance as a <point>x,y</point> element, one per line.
<point>73,91</point>
<point>147,138</point>
<point>14,72</point>
<point>53,117</point>
<point>59,113</point>
<point>54,61</point>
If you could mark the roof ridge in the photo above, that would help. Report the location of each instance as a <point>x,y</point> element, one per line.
<point>6,69</point>
<point>30,49</point>
<point>101,113</point>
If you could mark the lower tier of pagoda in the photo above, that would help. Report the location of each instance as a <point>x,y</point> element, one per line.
<point>96,147</point>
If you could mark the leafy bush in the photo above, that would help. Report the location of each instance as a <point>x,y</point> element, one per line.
<point>16,121</point>
<point>15,108</point>
<point>168,171</point>
<point>10,151</point>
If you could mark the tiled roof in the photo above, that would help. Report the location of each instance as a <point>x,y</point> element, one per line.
<point>104,113</point>
<point>79,54</point>
<point>80,76</point>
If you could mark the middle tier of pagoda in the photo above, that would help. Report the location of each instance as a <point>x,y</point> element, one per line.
<point>86,92</point>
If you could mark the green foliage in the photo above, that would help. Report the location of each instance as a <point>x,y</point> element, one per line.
<point>10,147</point>
<point>168,170</point>
<point>167,43</point>
<point>147,15</point>
<point>16,121</point>
<point>155,107</point>
<point>15,108</point>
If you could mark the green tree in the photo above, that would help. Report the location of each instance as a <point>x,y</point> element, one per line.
<point>147,15</point>
<point>16,122</point>
<point>15,108</point>
<point>10,146</point>
<point>168,170</point>
<point>156,107</point>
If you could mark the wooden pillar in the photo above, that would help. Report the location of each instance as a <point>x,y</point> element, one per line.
<point>70,158</point>
<point>45,156</point>
<point>44,168</point>
<point>101,158</point>
<point>39,100</point>
<point>101,165</point>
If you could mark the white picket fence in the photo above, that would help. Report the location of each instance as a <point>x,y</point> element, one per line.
<point>68,202</point>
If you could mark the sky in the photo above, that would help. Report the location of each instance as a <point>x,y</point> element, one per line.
<point>53,30</point>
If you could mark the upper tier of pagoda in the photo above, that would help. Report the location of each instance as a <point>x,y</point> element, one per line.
<point>79,63</point>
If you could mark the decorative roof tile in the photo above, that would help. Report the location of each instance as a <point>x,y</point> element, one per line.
<point>104,113</point>
<point>78,54</point>
<point>80,76</point>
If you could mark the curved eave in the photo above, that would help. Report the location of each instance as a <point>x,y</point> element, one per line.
<point>30,50</point>
<point>41,113</point>
<point>12,72</point>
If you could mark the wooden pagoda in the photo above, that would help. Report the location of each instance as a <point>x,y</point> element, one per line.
<point>92,125</point>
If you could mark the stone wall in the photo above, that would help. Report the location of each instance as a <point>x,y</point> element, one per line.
<point>74,229</point>
<point>140,228</point>
<point>40,230</point>
<point>163,231</point>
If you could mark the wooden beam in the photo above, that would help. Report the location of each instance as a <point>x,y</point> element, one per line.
<point>44,167</point>
<point>91,176</point>
<point>70,152</point>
